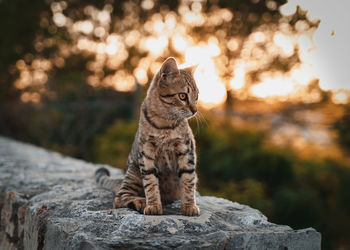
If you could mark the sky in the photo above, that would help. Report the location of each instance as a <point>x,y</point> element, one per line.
<point>331,54</point>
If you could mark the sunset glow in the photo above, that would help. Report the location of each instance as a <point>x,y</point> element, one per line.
<point>238,80</point>
<point>212,89</point>
<point>273,87</point>
<point>319,49</point>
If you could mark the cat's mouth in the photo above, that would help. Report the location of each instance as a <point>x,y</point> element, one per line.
<point>190,114</point>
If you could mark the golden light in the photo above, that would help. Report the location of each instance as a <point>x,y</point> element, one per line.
<point>147,4</point>
<point>154,67</point>
<point>85,27</point>
<point>42,64</point>
<point>238,80</point>
<point>158,26</point>
<point>84,44</point>
<point>259,37</point>
<point>170,21</point>
<point>301,25</point>
<point>126,84</point>
<point>284,43</point>
<point>272,5</point>
<point>141,75</point>
<point>322,50</point>
<point>59,62</point>
<point>101,48</point>
<point>305,45</point>
<point>20,64</point>
<point>156,45</point>
<point>99,32</point>
<point>120,81</point>
<point>39,77</point>
<point>340,97</point>
<point>302,74</point>
<point>104,17</point>
<point>193,18</point>
<point>211,88</point>
<point>59,19</point>
<point>288,9</point>
<point>30,97</point>
<point>111,49</point>
<point>58,6</point>
<point>179,43</point>
<point>132,38</point>
<point>273,87</point>
<point>233,44</point>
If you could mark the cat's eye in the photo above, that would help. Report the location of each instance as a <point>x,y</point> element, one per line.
<point>183,96</point>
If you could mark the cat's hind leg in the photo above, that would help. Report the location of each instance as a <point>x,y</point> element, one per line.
<point>131,193</point>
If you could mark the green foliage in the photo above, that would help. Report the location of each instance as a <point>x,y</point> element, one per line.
<point>241,154</point>
<point>114,145</point>
<point>298,207</point>
<point>247,191</point>
<point>236,164</point>
<point>227,149</point>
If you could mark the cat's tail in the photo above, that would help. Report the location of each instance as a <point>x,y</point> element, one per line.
<point>104,180</point>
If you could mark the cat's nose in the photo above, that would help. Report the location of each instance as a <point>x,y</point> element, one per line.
<point>193,109</point>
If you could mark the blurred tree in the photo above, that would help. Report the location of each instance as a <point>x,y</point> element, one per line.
<point>19,22</point>
<point>298,207</point>
<point>114,145</point>
<point>342,126</point>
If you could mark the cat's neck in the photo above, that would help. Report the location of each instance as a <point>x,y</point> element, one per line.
<point>156,114</point>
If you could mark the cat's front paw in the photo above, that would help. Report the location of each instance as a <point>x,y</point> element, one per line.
<point>153,209</point>
<point>117,203</point>
<point>138,204</point>
<point>190,210</point>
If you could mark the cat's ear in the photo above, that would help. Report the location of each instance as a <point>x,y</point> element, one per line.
<point>169,67</point>
<point>191,69</point>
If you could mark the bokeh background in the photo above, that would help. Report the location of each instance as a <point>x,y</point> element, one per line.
<point>274,80</point>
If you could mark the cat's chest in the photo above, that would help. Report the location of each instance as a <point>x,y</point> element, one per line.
<point>166,138</point>
<point>164,144</point>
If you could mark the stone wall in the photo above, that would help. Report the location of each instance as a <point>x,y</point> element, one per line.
<point>49,201</point>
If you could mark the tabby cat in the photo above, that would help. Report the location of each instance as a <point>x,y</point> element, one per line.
<point>162,162</point>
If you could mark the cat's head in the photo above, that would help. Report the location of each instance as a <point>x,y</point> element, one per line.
<point>176,89</point>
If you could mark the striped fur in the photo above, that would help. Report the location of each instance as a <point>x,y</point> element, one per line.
<point>104,181</point>
<point>162,162</point>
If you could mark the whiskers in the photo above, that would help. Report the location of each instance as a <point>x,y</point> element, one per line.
<point>199,121</point>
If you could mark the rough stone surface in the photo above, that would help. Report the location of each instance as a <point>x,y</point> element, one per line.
<point>49,201</point>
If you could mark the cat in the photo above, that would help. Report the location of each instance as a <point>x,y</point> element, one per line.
<point>162,162</point>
